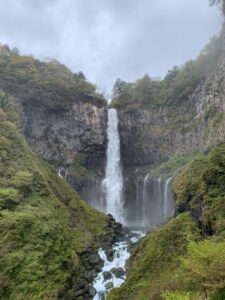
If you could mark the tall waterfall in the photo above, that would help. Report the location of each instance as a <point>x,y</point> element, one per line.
<point>113,181</point>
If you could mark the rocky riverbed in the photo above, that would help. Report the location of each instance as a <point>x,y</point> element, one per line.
<point>113,273</point>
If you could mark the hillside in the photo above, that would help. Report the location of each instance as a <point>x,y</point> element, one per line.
<point>45,227</point>
<point>64,120</point>
<point>184,259</point>
<point>182,113</point>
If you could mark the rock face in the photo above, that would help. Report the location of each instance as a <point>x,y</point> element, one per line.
<point>62,135</point>
<point>150,136</point>
<point>73,138</point>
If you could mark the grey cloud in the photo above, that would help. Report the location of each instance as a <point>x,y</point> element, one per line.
<point>110,38</point>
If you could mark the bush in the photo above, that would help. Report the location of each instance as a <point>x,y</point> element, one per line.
<point>23,181</point>
<point>205,263</point>
<point>8,197</point>
<point>176,296</point>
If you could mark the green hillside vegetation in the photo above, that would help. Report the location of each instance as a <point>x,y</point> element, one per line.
<point>175,88</point>
<point>171,167</point>
<point>44,226</point>
<point>185,259</point>
<point>49,83</point>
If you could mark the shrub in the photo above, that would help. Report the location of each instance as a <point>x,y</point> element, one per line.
<point>23,181</point>
<point>176,296</point>
<point>8,197</point>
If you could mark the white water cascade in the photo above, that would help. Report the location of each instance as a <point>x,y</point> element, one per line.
<point>154,203</point>
<point>166,203</point>
<point>113,181</point>
<point>145,200</point>
<point>121,253</point>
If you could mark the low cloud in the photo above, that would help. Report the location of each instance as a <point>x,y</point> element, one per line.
<point>108,39</point>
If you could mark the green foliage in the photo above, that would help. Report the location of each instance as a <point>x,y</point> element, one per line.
<point>23,181</point>
<point>171,167</point>
<point>201,183</point>
<point>179,83</point>
<point>50,83</point>
<point>179,260</point>
<point>219,295</point>
<point>205,263</point>
<point>8,197</point>
<point>176,296</point>
<point>44,226</point>
<point>156,260</point>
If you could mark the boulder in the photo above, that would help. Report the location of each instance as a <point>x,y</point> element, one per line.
<point>92,291</point>
<point>118,272</point>
<point>107,275</point>
<point>109,285</point>
<point>94,259</point>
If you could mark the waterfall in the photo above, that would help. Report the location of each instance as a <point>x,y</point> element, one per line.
<point>145,199</point>
<point>113,181</point>
<point>166,198</point>
<point>154,203</point>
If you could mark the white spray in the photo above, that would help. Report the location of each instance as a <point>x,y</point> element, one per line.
<point>113,181</point>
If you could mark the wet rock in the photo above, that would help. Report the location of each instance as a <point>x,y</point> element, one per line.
<point>109,254</point>
<point>118,272</point>
<point>92,291</point>
<point>107,275</point>
<point>90,276</point>
<point>79,285</point>
<point>109,285</point>
<point>78,293</point>
<point>94,259</point>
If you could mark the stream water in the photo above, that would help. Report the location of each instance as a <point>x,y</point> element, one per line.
<point>154,205</point>
<point>113,273</point>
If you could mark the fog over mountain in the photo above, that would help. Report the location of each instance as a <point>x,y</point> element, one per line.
<point>107,39</point>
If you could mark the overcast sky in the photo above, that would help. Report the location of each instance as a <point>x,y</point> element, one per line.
<point>107,39</point>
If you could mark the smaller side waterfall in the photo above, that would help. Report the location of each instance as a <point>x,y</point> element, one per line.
<point>63,173</point>
<point>154,202</point>
<point>145,199</point>
<point>166,211</point>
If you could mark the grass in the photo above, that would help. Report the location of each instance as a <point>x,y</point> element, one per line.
<point>172,166</point>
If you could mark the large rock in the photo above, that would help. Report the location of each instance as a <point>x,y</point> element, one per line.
<point>118,272</point>
<point>94,259</point>
<point>107,275</point>
<point>109,285</point>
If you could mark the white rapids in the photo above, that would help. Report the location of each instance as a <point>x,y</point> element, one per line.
<point>120,256</point>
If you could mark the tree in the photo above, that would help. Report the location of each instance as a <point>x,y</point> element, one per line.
<point>79,76</point>
<point>119,87</point>
<point>218,2</point>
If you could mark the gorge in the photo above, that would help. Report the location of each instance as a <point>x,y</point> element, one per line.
<point>123,201</point>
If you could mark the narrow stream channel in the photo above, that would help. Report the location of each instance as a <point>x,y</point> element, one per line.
<point>113,273</point>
